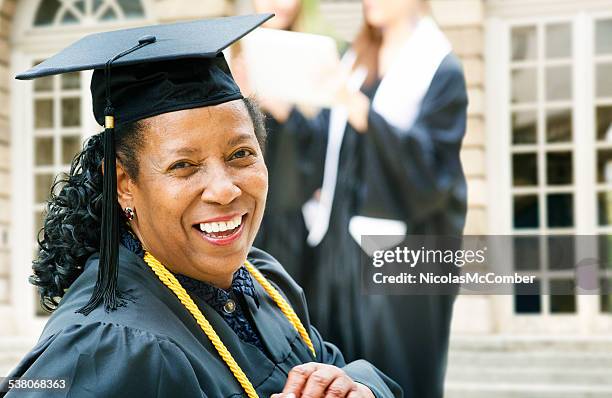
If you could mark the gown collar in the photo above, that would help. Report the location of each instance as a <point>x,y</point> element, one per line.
<point>242,283</point>
<point>277,336</point>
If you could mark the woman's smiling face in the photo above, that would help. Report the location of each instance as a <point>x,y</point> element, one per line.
<point>201,190</point>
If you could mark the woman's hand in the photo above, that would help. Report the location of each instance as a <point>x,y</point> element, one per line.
<point>358,106</point>
<point>317,380</point>
<point>356,102</point>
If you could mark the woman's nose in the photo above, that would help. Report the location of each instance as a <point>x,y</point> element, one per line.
<point>219,187</point>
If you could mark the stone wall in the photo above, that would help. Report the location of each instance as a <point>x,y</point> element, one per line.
<point>7,9</point>
<point>462,21</point>
<point>173,10</point>
<point>162,11</point>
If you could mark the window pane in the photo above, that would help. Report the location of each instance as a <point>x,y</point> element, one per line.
<point>524,169</point>
<point>69,18</point>
<point>604,123</point>
<point>526,211</point>
<point>562,298</point>
<point>603,33</point>
<point>71,112</point>
<point>604,251</point>
<point>43,152</point>
<point>524,85</point>
<point>43,111</point>
<point>39,217</point>
<point>558,83</point>
<point>42,187</point>
<point>606,295</point>
<point>528,303</point>
<point>559,41</point>
<point>46,12</point>
<point>559,125</point>
<point>131,8</point>
<point>43,84</point>
<point>604,80</point>
<point>524,127</point>
<point>71,80</point>
<point>524,43</point>
<point>526,251</point>
<point>561,252</point>
<point>80,5</point>
<point>563,287</point>
<point>559,167</point>
<point>604,208</point>
<point>604,165</point>
<point>562,304</point>
<point>70,147</point>
<point>108,15</point>
<point>560,210</point>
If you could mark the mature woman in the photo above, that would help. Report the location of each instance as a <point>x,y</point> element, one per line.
<point>390,150</point>
<point>183,306</point>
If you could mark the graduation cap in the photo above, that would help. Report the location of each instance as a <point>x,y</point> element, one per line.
<point>139,73</point>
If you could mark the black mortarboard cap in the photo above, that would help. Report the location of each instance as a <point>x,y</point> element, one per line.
<point>143,72</point>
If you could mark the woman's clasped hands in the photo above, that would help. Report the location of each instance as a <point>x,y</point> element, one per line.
<point>317,380</point>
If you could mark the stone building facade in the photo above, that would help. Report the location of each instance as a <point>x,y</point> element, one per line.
<point>490,37</point>
<point>7,10</point>
<point>536,155</point>
<point>462,20</point>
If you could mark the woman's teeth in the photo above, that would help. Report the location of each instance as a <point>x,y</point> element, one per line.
<point>221,226</point>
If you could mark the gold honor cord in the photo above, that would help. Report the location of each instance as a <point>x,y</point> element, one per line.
<point>282,304</point>
<point>173,284</point>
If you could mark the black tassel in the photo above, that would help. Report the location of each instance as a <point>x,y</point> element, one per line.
<point>105,289</point>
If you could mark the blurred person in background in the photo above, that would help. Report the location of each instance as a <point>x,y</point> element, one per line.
<point>386,159</point>
<point>282,233</point>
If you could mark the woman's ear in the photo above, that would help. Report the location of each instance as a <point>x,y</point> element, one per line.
<point>125,187</point>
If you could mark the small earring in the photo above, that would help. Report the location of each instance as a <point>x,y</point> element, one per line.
<point>130,214</point>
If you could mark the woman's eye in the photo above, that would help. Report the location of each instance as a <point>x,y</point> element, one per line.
<point>241,153</point>
<point>180,165</point>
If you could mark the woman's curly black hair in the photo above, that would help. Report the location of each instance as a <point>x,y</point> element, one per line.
<point>72,224</point>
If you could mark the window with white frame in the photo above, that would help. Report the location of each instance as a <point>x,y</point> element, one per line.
<point>57,128</point>
<point>57,132</point>
<point>542,156</point>
<point>602,70</point>
<point>558,111</point>
<point>69,12</point>
<point>57,135</point>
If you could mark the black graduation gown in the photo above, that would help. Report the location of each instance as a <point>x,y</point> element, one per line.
<point>415,176</point>
<point>282,232</point>
<point>154,348</point>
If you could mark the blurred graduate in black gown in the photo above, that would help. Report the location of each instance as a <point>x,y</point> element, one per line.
<point>388,163</point>
<point>282,232</point>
